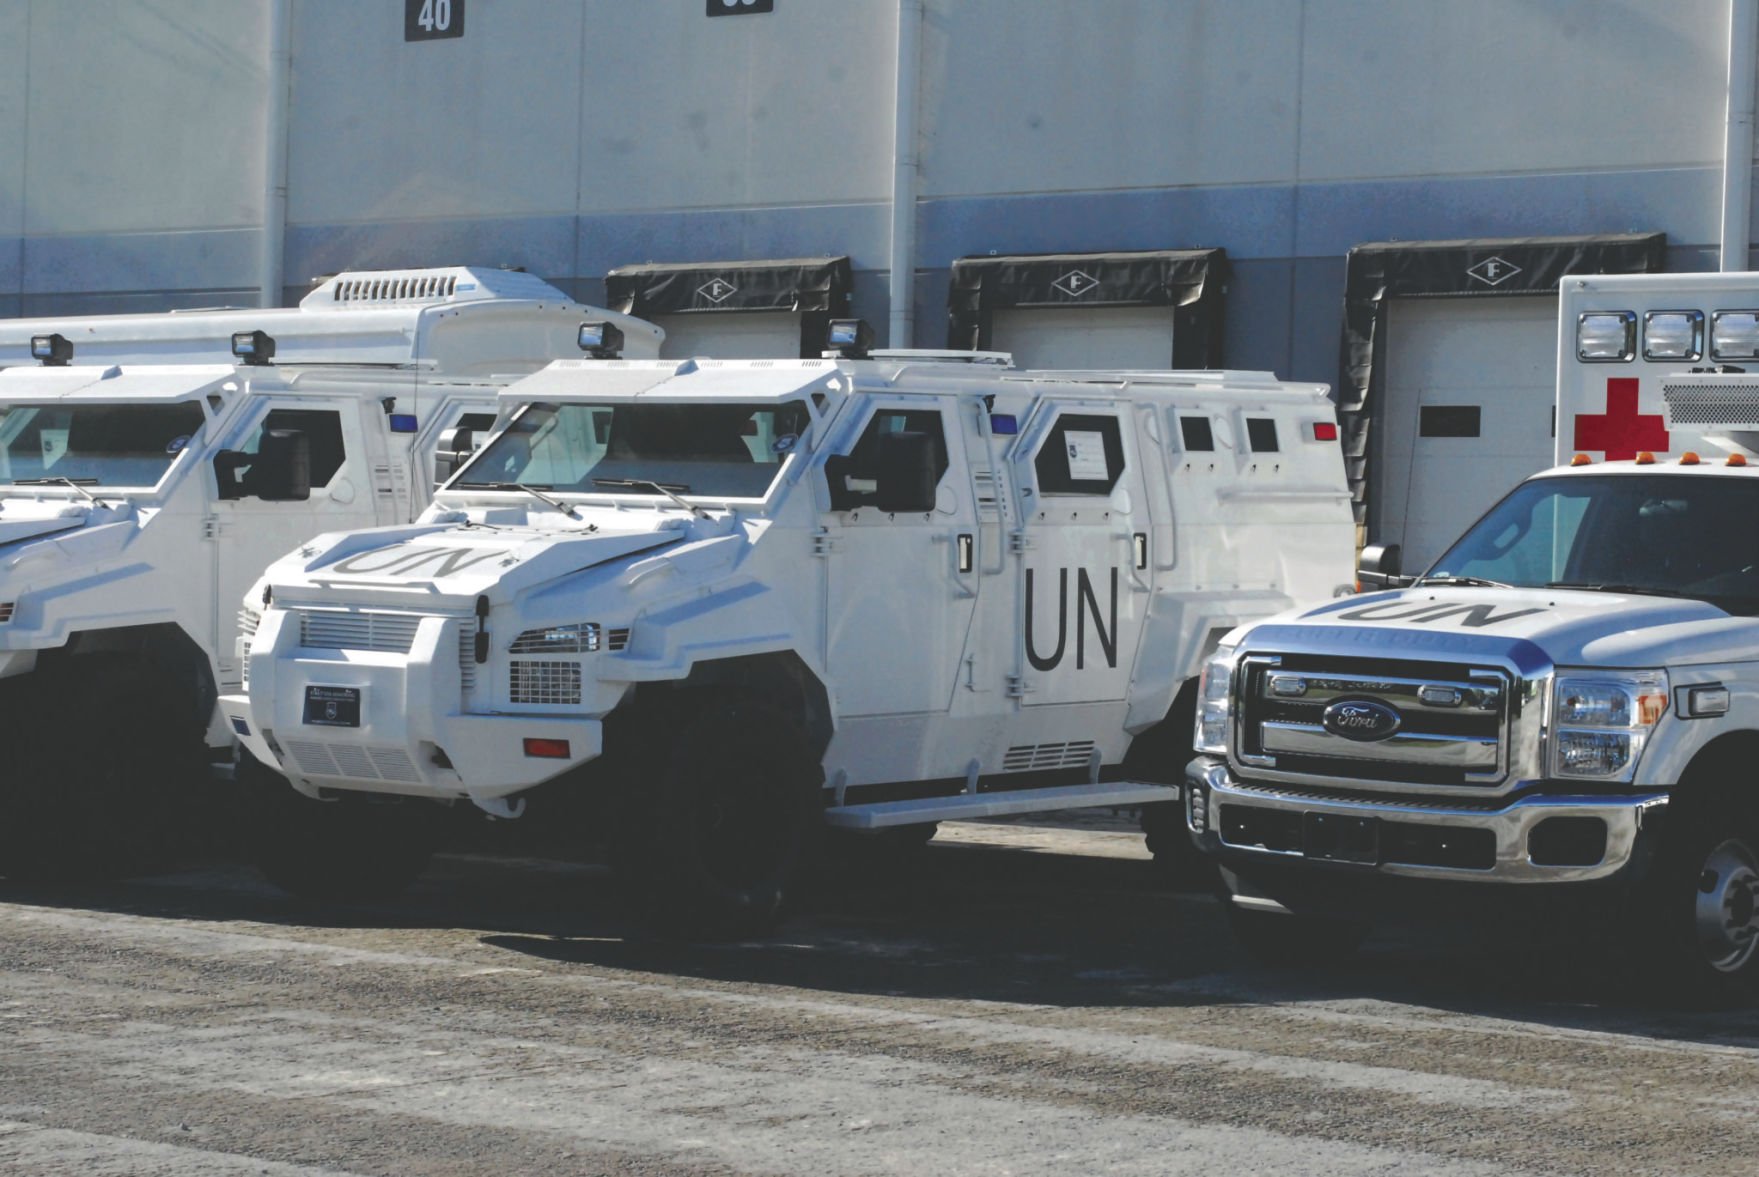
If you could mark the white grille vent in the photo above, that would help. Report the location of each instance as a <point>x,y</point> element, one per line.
<point>1712,399</point>
<point>467,655</point>
<point>616,639</point>
<point>395,288</point>
<point>546,683</point>
<point>390,633</point>
<point>353,761</point>
<point>1037,757</point>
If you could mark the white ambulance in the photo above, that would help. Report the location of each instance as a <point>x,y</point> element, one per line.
<point>1565,705</point>
<point>152,465</point>
<point>699,609</point>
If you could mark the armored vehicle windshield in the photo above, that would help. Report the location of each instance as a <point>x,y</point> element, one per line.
<point>1662,534</point>
<point>94,444</point>
<point>705,449</point>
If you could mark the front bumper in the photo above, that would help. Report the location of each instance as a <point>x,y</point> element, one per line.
<point>405,730</point>
<point>1532,838</point>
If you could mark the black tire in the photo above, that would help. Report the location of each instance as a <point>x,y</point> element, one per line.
<point>1699,909</point>
<point>107,771</point>
<point>348,850</point>
<point>725,822</point>
<point>1160,755</point>
<point>1294,940</point>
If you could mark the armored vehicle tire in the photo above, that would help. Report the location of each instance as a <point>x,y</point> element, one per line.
<point>1700,906</point>
<point>331,851</point>
<point>78,804</point>
<point>1277,940</point>
<point>735,818</point>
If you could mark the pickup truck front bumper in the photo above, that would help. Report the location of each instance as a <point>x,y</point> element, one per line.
<point>1535,837</point>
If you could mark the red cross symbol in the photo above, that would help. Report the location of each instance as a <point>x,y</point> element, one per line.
<point>1621,431</point>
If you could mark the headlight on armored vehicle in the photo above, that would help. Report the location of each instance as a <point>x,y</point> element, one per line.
<point>1214,703</point>
<point>1602,722</point>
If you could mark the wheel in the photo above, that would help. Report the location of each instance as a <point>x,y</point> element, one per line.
<point>1160,754</point>
<point>106,771</point>
<point>352,849</point>
<point>1700,908</point>
<point>725,822</point>
<point>1293,940</point>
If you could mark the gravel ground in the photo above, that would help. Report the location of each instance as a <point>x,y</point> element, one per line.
<point>1020,998</point>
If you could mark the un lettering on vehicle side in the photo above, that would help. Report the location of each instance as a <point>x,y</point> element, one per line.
<point>1086,605</point>
<point>1471,616</point>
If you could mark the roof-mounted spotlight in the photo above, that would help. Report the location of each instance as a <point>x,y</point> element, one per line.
<point>253,347</point>
<point>849,339</point>
<point>52,351</point>
<point>601,340</point>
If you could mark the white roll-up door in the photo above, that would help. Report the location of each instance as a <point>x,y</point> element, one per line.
<point>732,335</point>
<point>1085,337</point>
<point>1467,414</point>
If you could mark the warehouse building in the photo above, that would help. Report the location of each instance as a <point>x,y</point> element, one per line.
<point>1378,194</point>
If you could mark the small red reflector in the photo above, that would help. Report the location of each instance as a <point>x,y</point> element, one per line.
<point>547,749</point>
<point>1325,431</point>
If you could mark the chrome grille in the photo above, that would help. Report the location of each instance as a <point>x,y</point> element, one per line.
<point>333,629</point>
<point>555,683</point>
<point>1453,720</point>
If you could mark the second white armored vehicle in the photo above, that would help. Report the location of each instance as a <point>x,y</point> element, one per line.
<point>726,602</point>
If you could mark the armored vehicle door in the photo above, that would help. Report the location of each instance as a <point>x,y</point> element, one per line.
<point>344,439</point>
<point>1083,545</point>
<point>899,550</point>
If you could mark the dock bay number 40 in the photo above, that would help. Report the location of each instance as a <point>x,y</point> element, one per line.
<point>430,20</point>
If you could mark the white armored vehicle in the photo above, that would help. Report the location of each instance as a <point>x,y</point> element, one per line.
<point>152,465</point>
<point>703,607</point>
<point>1565,706</point>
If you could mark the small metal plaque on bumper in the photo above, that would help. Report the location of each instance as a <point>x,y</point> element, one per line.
<point>332,706</point>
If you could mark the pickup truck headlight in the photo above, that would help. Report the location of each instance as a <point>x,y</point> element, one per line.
<point>1215,703</point>
<point>1602,722</point>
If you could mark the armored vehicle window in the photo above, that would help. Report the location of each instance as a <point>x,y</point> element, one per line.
<point>1261,435</point>
<point>706,448</point>
<point>1082,455</point>
<point>1674,535</point>
<point>855,480</point>
<point>96,444</point>
<point>1196,433</point>
<point>322,428</point>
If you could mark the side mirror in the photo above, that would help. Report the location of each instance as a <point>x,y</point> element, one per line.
<point>279,472</point>
<point>1379,568</point>
<point>905,473</point>
<point>456,446</point>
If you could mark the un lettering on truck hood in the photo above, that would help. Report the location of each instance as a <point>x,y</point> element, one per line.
<point>470,561</point>
<point>1572,628</point>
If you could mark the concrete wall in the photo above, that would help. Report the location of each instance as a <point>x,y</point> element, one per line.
<point>571,136</point>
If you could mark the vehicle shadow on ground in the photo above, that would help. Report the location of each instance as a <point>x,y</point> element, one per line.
<point>960,923</point>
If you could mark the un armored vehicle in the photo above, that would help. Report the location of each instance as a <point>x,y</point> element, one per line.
<point>1565,706</point>
<point>152,465</point>
<point>729,602</point>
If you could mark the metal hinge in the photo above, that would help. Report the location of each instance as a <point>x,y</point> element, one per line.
<point>211,527</point>
<point>1018,542</point>
<point>1018,687</point>
<point>824,543</point>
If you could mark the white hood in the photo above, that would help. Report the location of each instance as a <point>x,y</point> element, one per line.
<point>1572,628</point>
<point>29,518</point>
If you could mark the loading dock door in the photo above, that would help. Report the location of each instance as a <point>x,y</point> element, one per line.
<point>750,335</point>
<point>1085,337</point>
<point>1469,392</point>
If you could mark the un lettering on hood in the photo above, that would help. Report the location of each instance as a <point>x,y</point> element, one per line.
<point>401,560</point>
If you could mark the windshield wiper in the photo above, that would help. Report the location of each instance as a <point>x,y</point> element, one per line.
<point>670,492</point>
<point>533,491</point>
<point>1639,589</point>
<point>1466,581</point>
<point>78,484</point>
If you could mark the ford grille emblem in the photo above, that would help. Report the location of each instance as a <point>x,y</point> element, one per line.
<point>1361,719</point>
